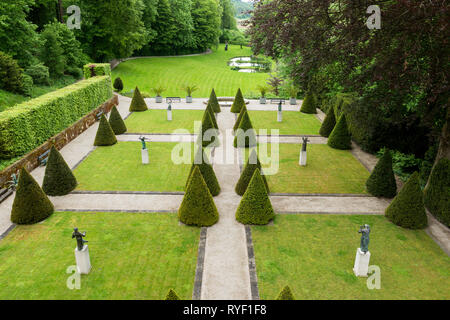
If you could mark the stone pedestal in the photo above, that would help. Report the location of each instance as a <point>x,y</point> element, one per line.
<point>169,115</point>
<point>83,260</point>
<point>144,153</point>
<point>279,116</point>
<point>302,160</point>
<point>361,266</point>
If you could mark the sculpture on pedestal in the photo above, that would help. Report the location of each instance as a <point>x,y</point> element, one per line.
<point>79,237</point>
<point>143,143</point>
<point>365,231</point>
<point>305,143</point>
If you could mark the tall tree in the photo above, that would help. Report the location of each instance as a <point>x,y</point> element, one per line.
<point>206,19</point>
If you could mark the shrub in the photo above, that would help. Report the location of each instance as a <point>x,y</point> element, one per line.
<point>33,122</point>
<point>286,294</point>
<point>99,69</point>
<point>239,118</point>
<point>52,53</point>
<point>27,85</point>
<point>407,209</point>
<point>105,135</point>
<point>437,192</point>
<point>328,123</point>
<point>198,206</point>
<point>77,73</point>
<point>245,134</point>
<point>255,206</point>
<point>340,137</point>
<point>381,182</point>
<point>31,204</point>
<point>247,174</point>
<point>10,74</point>
<point>212,115</point>
<point>208,124</point>
<point>172,295</point>
<point>116,122</point>
<point>238,102</point>
<point>59,179</point>
<point>118,84</point>
<point>39,73</point>
<point>309,104</point>
<point>214,102</point>
<point>137,103</point>
<point>202,162</point>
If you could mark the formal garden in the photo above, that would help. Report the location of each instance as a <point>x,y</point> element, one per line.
<point>198,162</point>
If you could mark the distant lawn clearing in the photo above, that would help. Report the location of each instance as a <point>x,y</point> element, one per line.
<point>294,122</point>
<point>328,170</point>
<point>133,256</point>
<point>120,168</point>
<point>314,255</point>
<point>206,71</point>
<point>155,121</point>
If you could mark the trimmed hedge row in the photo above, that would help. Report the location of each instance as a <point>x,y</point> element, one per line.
<point>100,69</point>
<point>29,124</point>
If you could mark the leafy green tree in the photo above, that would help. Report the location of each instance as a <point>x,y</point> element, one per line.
<point>52,54</point>
<point>165,28</point>
<point>206,20</point>
<point>59,179</point>
<point>181,12</point>
<point>228,20</point>
<point>10,74</point>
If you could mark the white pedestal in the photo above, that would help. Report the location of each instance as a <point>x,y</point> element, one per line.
<point>169,115</point>
<point>144,153</point>
<point>361,266</point>
<point>83,260</point>
<point>302,160</point>
<point>279,116</point>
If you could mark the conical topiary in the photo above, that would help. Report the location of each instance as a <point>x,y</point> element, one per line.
<point>118,84</point>
<point>381,182</point>
<point>207,124</point>
<point>214,102</point>
<point>116,122</point>
<point>247,174</point>
<point>255,206</point>
<point>138,102</point>
<point>212,115</point>
<point>245,134</point>
<point>172,295</point>
<point>239,118</point>
<point>286,294</point>
<point>202,162</point>
<point>31,204</point>
<point>340,137</point>
<point>198,206</point>
<point>105,135</point>
<point>238,102</point>
<point>437,192</point>
<point>309,104</point>
<point>407,209</point>
<point>59,179</point>
<point>328,123</point>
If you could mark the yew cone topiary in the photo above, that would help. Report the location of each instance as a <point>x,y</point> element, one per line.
<point>309,104</point>
<point>138,102</point>
<point>247,174</point>
<point>209,131</point>
<point>239,118</point>
<point>245,134</point>
<point>381,182</point>
<point>328,123</point>
<point>105,135</point>
<point>437,192</point>
<point>214,102</point>
<point>286,294</point>
<point>238,102</point>
<point>255,206</point>
<point>407,209</point>
<point>31,204</point>
<point>198,206</point>
<point>172,295</point>
<point>340,137</point>
<point>212,115</point>
<point>59,179</point>
<point>116,122</point>
<point>202,162</point>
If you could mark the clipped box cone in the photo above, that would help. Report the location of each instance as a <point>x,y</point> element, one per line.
<point>116,122</point>
<point>328,123</point>
<point>245,136</point>
<point>207,125</point>
<point>59,179</point>
<point>238,102</point>
<point>286,294</point>
<point>247,174</point>
<point>212,115</point>
<point>239,118</point>
<point>202,162</point>
<point>138,102</point>
<point>172,295</point>
<point>214,102</point>
<point>105,135</point>
<point>381,182</point>
<point>437,192</point>
<point>308,105</point>
<point>340,137</point>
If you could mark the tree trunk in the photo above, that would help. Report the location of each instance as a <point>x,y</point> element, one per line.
<point>60,11</point>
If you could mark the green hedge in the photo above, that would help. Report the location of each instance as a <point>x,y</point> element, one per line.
<point>100,69</point>
<point>29,124</point>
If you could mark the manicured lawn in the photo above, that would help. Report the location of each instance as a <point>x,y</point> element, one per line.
<point>328,170</point>
<point>120,168</point>
<point>133,256</point>
<point>155,121</point>
<point>294,122</point>
<point>206,71</point>
<point>314,255</point>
